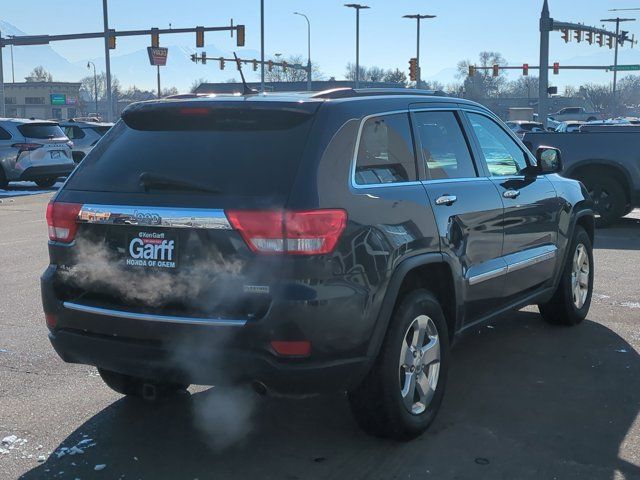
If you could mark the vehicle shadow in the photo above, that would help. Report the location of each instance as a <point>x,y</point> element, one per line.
<point>524,400</point>
<point>15,189</point>
<point>623,235</point>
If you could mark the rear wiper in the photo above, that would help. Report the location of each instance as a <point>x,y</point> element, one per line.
<point>155,181</point>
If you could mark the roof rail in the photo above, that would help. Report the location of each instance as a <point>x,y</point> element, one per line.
<point>347,92</point>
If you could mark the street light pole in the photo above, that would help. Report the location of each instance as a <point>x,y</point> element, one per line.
<point>617,21</point>
<point>105,16</point>
<point>418,17</point>
<point>95,83</point>
<point>13,73</point>
<point>308,48</point>
<point>262,45</point>
<point>358,7</point>
<point>2,107</point>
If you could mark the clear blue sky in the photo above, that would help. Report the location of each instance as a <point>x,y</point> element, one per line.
<point>462,29</point>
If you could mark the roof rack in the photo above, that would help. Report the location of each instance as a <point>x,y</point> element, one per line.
<point>347,92</point>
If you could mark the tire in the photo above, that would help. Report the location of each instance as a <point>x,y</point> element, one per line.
<point>77,157</point>
<point>4,183</point>
<point>609,197</point>
<point>139,387</point>
<point>377,404</point>
<point>46,182</point>
<point>564,308</point>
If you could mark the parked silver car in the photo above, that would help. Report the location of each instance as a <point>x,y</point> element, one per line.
<point>33,150</point>
<point>84,136</point>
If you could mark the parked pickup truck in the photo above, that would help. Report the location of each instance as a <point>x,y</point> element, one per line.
<point>605,159</point>
<point>575,113</point>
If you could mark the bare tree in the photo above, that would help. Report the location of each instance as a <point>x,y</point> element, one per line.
<point>376,74</point>
<point>39,74</point>
<point>196,83</point>
<point>289,74</point>
<point>483,84</point>
<point>395,76</point>
<point>350,74</point>
<point>599,95</point>
<point>169,91</point>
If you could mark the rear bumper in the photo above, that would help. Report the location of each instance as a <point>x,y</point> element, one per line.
<point>216,352</point>
<point>46,171</point>
<point>205,366</point>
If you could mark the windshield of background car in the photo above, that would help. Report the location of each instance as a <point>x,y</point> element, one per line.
<point>41,130</point>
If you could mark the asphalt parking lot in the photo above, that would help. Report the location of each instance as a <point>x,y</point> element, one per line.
<point>524,400</point>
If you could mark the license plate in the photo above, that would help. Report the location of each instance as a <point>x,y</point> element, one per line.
<point>151,249</point>
<point>56,154</point>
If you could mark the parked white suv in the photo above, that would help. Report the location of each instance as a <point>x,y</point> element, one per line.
<point>33,150</point>
<point>84,136</point>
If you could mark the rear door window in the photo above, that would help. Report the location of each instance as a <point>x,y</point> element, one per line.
<point>444,148</point>
<point>4,135</point>
<point>41,130</point>
<point>246,151</point>
<point>385,151</point>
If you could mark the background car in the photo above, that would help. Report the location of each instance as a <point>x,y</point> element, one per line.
<point>84,136</point>
<point>522,127</point>
<point>575,113</point>
<point>569,127</point>
<point>33,150</point>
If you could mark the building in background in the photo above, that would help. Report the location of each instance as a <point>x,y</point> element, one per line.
<point>42,100</point>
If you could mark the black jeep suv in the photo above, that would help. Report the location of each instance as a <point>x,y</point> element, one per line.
<point>305,243</point>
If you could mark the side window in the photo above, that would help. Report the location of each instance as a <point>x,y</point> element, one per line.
<point>385,152</point>
<point>4,135</point>
<point>444,148</point>
<point>74,132</point>
<point>68,131</point>
<point>503,155</point>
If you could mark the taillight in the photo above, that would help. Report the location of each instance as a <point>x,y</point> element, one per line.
<point>62,221</point>
<point>27,147</point>
<point>300,348</point>
<point>312,232</point>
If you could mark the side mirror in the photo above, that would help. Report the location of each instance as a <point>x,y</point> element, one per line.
<point>549,160</point>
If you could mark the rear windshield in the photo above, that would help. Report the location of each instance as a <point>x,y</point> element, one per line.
<point>41,130</point>
<point>239,151</point>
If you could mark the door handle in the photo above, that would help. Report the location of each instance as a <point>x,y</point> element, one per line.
<point>446,200</point>
<point>511,193</point>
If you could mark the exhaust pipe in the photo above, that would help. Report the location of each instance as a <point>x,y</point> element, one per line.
<point>260,388</point>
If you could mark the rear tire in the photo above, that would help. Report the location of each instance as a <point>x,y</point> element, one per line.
<point>46,182</point>
<point>4,183</point>
<point>571,301</point>
<point>139,387</point>
<point>609,197</point>
<point>402,393</point>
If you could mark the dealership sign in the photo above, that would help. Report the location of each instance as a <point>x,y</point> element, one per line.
<point>62,99</point>
<point>158,56</point>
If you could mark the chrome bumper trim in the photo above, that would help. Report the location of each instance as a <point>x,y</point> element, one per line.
<point>217,322</point>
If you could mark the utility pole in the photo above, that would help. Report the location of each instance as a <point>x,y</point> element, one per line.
<point>95,83</point>
<point>358,7</point>
<point>262,45</point>
<point>546,25</point>
<point>13,73</point>
<point>617,21</point>
<point>105,16</point>
<point>418,17</point>
<point>308,48</point>
<point>2,106</point>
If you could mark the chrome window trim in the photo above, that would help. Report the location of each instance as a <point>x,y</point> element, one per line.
<point>217,322</point>
<point>354,159</point>
<point>161,217</point>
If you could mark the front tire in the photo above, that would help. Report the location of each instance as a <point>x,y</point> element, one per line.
<point>609,197</point>
<point>139,387</point>
<point>571,301</point>
<point>401,395</point>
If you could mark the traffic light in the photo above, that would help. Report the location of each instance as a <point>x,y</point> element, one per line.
<point>413,69</point>
<point>590,38</point>
<point>565,35</point>
<point>112,39</point>
<point>525,69</point>
<point>556,68</point>
<point>623,37</point>
<point>578,35</point>
<point>255,65</point>
<point>155,38</point>
<point>203,58</point>
<point>270,65</point>
<point>221,59</point>
<point>472,70</point>
<point>610,41</point>
<point>240,36</point>
<point>194,58</point>
<point>496,70</point>
<point>199,37</point>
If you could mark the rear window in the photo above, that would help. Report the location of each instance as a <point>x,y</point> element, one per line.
<point>100,130</point>
<point>240,151</point>
<point>41,130</point>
